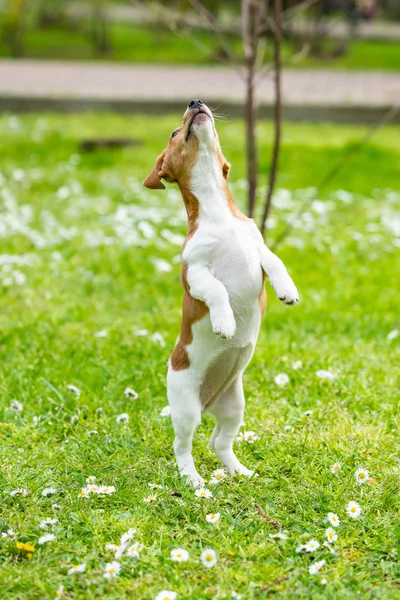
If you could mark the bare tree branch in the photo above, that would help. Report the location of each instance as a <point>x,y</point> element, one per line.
<point>202,10</point>
<point>295,10</point>
<point>251,15</point>
<point>277,111</point>
<point>387,118</point>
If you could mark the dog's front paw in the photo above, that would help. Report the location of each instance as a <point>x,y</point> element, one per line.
<point>223,323</point>
<point>286,290</point>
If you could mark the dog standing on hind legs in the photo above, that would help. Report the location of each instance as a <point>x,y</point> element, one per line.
<point>224,262</point>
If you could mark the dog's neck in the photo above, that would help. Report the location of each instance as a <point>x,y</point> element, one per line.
<point>207,196</point>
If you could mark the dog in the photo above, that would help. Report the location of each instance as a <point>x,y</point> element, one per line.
<point>224,263</point>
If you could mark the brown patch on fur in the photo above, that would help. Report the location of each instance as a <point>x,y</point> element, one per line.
<point>192,311</point>
<point>192,210</point>
<point>262,298</point>
<point>153,179</point>
<point>225,167</point>
<point>180,358</point>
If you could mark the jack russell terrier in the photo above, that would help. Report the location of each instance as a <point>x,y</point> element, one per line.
<point>224,262</point>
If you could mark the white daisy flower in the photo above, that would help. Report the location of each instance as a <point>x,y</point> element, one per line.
<point>312,546</point>
<point>150,498</point>
<point>203,493</point>
<point>126,537</point>
<point>91,479</point>
<point>324,374</point>
<point>316,567</point>
<point>157,337</point>
<point>323,581</point>
<point>362,475</point>
<point>134,550</point>
<point>217,476</point>
<point>236,595</point>
<point>92,488</point>
<point>300,548</point>
<point>179,555</point>
<point>77,569</point>
<point>44,524</point>
<point>353,509</point>
<point>106,489</point>
<point>307,413</point>
<point>84,493</point>
<point>333,519</point>
<point>101,334</point>
<point>165,412</point>
<point>213,518</point>
<point>297,365</point>
<point>59,592</point>
<point>111,547</point>
<point>281,379</point>
<point>21,491</point>
<point>16,406</point>
<point>162,265</point>
<point>329,547</point>
<point>48,537</point>
<point>335,468</point>
<point>331,535</point>
<point>208,557</point>
<point>112,569</point>
<point>130,393</point>
<point>166,595</point>
<point>392,335</point>
<point>250,436</point>
<point>122,418</point>
<point>142,332</point>
<point>119,551</point>
<point>155,486</point>
<point>9,534</point>
<point>75,390</point>
<point>278,536</point>
<point>288,428</point>
<point>49,491</point>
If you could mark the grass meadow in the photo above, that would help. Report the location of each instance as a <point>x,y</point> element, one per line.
<point>90,306</point>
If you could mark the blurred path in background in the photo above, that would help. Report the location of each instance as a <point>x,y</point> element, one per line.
<point>308,94</point>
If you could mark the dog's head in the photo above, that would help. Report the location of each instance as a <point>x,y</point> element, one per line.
<point>197,134</point>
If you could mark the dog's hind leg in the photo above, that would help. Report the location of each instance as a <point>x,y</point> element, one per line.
<point>214,436</point>
<point>184,399</point>
<point>228,411</point>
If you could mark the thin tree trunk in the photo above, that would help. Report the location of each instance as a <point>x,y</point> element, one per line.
<point>13,29</point>
<point>251,142</point>
<point>101,40</point>
<point>251,23</point>
<point>277,112</point>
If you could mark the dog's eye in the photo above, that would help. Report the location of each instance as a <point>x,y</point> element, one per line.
<point>174,133</point>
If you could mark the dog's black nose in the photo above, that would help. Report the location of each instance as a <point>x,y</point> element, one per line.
<point>195,103</point>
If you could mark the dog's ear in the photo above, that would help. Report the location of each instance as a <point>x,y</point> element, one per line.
<point>153,180</point>
<point>225,169</point>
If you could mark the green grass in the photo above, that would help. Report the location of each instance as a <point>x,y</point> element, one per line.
<point>73,224</point>
<point>158,45</point>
